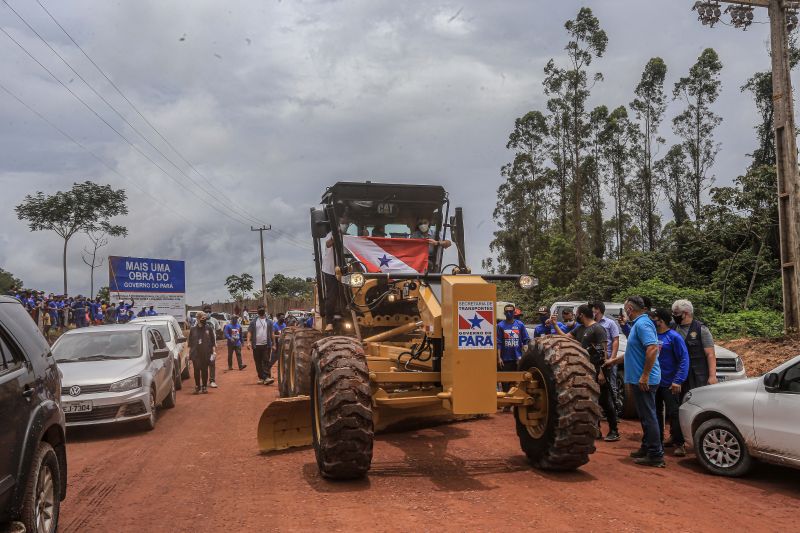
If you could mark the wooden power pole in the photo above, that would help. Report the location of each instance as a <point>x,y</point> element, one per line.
<point>261,231</point>
<point>785,146</point>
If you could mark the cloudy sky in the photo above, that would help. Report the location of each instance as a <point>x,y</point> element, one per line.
<point>272,101</point>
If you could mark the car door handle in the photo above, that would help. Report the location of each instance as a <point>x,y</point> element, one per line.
<point>28,392</point>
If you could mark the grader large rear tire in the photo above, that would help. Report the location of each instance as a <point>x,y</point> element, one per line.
<point>284,358</point>
<point>299,367</point>
<point>341,408</point>
<point>558,431</point>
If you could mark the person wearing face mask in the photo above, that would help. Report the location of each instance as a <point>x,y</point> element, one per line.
<point>201,348</point>
<point>511,338</point>
<point>424,231</point>
<point>547,324</point>
<point>260,333</point>
<point>699,342</point>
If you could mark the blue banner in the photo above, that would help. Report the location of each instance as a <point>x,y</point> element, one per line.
<point>140,274</point>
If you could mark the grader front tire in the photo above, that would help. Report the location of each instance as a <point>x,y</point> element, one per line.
<point>300,361</point>
<point>341,408</point>
<point>558,431</point>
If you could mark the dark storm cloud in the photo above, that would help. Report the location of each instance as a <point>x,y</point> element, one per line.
<point>274,101</point>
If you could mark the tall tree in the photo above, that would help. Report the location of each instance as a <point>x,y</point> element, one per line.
<point>291,287</point>
<point>8,282</point>
<point>595,166</point>
<point>696,124</point>
<point>523,198</point>
<point>570,87</point>
<point>649,106</point>
<point>98,239</point>
<point>239,286</point>
<point>619,132</point>
<point>673,171</point>
<point>87,207</point>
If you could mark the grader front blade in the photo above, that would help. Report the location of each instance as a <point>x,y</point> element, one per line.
<point>285,423</point>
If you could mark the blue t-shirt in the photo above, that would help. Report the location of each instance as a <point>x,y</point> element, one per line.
<point>673,358</point>
<point>612,332</point>
<point>643,334</point>
<point>511,337</point>
<point>233,334</point>
<point>541,329</point>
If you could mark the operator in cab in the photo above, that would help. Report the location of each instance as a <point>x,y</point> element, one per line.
<point>328,268</point>
<point>424,231</point>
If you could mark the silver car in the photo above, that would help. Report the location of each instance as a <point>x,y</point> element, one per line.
<point>116,373</point>
<point>732,423</point>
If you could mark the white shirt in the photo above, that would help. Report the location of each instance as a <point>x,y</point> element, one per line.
<point>262,337</point>
<point>328,264</point>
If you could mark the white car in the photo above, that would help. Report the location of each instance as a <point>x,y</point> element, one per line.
<point>116,373</point>
<point>731,423</point>
<point>170,330</point>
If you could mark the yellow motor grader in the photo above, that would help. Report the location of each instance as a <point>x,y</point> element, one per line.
<point>392,345</point>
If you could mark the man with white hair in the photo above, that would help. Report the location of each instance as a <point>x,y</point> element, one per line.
<point>700,343</point>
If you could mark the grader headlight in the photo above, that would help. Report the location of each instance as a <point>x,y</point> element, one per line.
<point>527,282</point>
<point>355,279</point>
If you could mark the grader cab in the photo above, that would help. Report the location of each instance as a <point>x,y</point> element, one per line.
<point>414,341</point>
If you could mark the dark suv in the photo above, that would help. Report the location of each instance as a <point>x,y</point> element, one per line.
<point>33,458</point>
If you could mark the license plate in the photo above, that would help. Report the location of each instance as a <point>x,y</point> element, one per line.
<point>77,407</point>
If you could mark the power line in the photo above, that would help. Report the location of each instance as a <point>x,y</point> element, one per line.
<point>119,91</point>
<point>21,18</point>
<point>98,158</point>
<point>115,130</point>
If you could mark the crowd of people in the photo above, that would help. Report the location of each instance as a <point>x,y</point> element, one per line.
<point>262,331</point>
<point>53,313</point>
<point>668,353</point>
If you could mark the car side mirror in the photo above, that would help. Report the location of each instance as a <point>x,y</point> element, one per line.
<point>320,226</point>
<point>161,353</point>
<point>772,382</point>
<point>180,340</point>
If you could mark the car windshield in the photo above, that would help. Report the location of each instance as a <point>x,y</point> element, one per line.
<point>98,346</point>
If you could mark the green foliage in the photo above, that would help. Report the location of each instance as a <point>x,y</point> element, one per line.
<point>756,323</point>
<point>663,294</point>
<point>87,207</point>
<point>291,287</point>
<point>239,286</point>
<point>104,294</point>
<point>8,282</point>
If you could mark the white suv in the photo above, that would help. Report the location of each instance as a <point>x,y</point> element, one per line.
<point>732,423</point>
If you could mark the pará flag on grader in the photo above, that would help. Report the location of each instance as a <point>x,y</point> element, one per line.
<point>394,256</point>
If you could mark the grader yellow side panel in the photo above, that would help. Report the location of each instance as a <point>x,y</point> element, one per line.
<point>469,365</point>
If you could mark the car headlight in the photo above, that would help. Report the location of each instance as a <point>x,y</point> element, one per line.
<point>687,396</point>
<point>739,364</point>
<point>356,279</point>
<point>527,282</point>
<point>131,383</point>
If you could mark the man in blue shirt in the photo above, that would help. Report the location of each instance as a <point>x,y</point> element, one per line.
<point>233,334</point>
<point>152,312</point>
<point>511,337</point>
<point>673,358</point>
<point>644,373</point>
<point>547,323</point>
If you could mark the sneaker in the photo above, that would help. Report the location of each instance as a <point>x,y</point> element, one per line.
<point>613,436</point>
<point>213,384</point>
<point>638,454</point>
<point>656,462</point>
<point>229,369</point>
<point>680,451</point>
<point>204,391</point>
<point>242,367</point>
<point>269,381</point>
<point>197,390</point>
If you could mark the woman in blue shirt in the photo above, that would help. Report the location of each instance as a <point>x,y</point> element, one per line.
<point>673,358</point>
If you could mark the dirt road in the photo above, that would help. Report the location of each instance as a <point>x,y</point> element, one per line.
<point>200,470</point>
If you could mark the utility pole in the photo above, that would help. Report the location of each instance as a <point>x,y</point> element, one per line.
<point>783,19</point>
<point>261,231</point>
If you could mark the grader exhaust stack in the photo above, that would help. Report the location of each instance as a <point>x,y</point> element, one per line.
<point>412,346</point>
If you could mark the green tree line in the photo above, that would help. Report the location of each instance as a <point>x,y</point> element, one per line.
<point>580,203</point>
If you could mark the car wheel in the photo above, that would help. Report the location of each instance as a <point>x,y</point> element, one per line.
<point>721,449</point>
<point>42,498</point>
<point>172,397</point>
<point>149,423</point>
<point>176,376</point>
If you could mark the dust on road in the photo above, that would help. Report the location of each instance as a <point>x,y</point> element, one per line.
<point>200,470</point>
